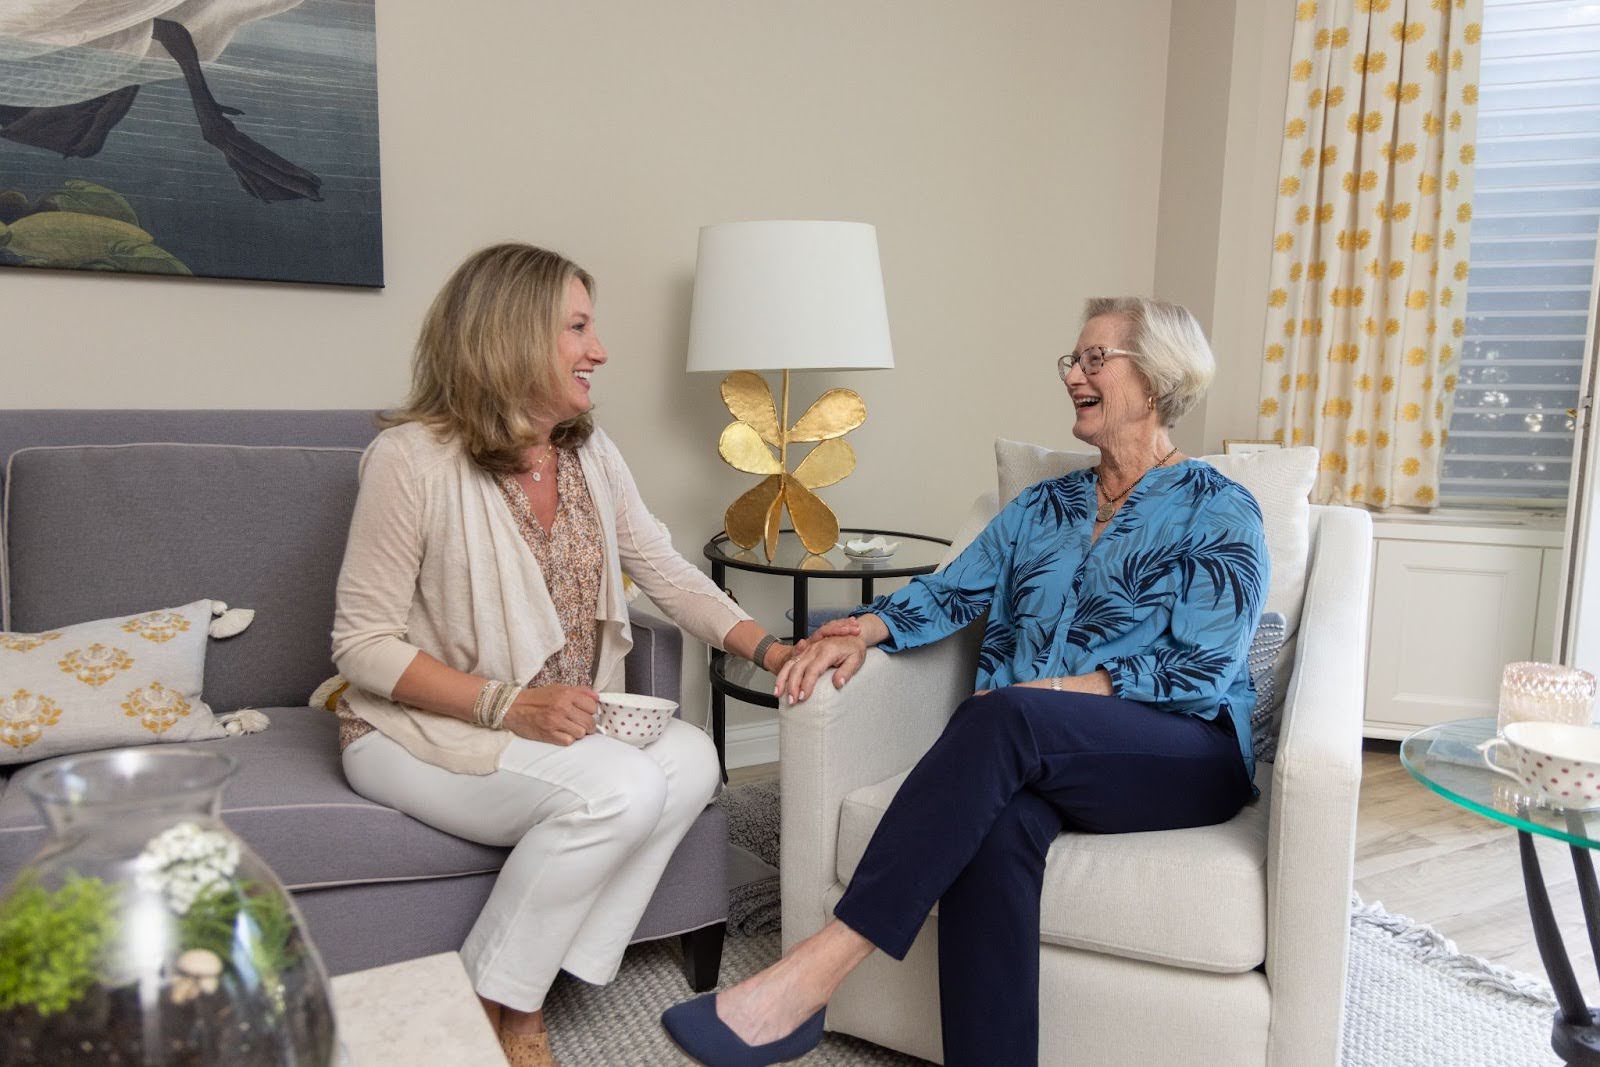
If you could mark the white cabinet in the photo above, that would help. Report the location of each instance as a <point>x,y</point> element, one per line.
<point>1453,601</point>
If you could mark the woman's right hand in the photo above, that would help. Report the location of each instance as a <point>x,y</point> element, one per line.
<point>848,626</point>
<point>554,714</point>
<point>843,655</point>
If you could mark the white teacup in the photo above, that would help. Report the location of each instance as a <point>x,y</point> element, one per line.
<point>1557,761</point>
<point>633,718</point>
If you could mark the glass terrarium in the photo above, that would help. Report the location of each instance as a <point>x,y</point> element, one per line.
<point>145,932</point>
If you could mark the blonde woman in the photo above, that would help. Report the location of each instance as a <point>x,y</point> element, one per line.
<point>480,607</point>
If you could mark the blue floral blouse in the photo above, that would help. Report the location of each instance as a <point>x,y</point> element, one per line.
<point>1166,601</point>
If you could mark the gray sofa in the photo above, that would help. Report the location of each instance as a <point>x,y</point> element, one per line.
<point>110,513</point>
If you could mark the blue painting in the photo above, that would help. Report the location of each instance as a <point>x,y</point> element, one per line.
<point>216,138</point>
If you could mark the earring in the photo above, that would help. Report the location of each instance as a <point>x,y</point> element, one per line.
<point>1150,403</point>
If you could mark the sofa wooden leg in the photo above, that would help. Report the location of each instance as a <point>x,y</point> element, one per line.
<point>702,956</point>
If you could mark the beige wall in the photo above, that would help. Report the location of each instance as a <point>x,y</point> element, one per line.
<point>1227,76</point>
<point>1199,66</point>
<point>1263,31</point>
<point>1009,154</point>
<point>1015,157</point>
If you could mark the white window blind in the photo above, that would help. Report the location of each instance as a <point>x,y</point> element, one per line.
<point>1535,218</point>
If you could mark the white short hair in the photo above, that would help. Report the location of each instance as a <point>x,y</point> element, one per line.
<point>1171,349</point>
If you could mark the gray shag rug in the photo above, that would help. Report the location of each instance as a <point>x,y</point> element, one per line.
<point>1411,1000</point>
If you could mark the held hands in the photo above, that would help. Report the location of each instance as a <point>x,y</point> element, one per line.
<point>848,626</point>
<point>842,654</point>
<point>554,714</point>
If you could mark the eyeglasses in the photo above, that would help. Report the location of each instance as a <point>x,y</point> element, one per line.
<point>1093,358</point>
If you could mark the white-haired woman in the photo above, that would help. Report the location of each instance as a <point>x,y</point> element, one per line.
<point>479,609</point>
<point>1111,696</point>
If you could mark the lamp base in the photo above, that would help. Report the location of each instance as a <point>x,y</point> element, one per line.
<point>745,446</point>
<point>757,515</point>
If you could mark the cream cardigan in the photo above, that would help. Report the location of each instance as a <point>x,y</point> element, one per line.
<point>435,563</point>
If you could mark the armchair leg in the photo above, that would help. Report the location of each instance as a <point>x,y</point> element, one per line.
<point>702,956</point>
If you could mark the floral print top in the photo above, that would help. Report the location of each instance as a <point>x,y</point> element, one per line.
<point>1165,601</point>
<point>570,554</point>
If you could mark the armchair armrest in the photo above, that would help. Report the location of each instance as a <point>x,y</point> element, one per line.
<point>654,666</point>
<point>839,740</point>
<point>1316,781</point>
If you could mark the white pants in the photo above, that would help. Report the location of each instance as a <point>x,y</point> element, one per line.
<point>591,826</point>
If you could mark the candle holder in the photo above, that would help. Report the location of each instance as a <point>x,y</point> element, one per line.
<point>1545,692</point>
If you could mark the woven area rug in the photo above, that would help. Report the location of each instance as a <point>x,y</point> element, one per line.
<point>1412,1000</point>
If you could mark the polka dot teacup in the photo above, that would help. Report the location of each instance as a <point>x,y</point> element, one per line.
<point>1557,761</point>
<point>629,717</point>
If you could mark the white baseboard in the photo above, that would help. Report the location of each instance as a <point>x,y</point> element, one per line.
<point>753,744</point>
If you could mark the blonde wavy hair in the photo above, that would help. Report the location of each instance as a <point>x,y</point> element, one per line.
<point>485,366</point>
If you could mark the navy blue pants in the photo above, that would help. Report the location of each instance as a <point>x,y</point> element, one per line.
<point>970,827</point>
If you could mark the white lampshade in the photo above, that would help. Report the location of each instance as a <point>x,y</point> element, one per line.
<point>788,295</point>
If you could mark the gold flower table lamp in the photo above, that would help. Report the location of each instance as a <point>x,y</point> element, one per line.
<point>787,296</point>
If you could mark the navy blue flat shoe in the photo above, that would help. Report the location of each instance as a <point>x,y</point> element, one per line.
<point>695,1028</point>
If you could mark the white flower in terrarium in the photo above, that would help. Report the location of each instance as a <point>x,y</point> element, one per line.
<point>185,863</point>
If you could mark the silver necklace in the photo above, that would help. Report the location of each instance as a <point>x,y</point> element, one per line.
<point>1108,505</point>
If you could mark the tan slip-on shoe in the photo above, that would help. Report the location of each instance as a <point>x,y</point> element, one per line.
<point>528,1049</point>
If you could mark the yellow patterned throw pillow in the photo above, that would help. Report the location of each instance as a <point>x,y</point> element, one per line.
<point>134,680</point>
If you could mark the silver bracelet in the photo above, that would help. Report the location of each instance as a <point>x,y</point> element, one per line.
<point>759,656</point>
<point>1055,683</point>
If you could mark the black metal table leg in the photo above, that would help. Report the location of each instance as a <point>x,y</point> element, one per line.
<point>802,610</point>
<point>866,590</point>
<point>719,699</point>
<point>1575,1034</point>
<point>1588,887</point>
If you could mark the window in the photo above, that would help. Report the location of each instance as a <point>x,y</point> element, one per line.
<point>1536,215</point>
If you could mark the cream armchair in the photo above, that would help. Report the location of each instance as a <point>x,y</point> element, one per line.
<point>1219,945</point>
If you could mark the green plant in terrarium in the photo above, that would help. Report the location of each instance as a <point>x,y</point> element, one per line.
<point>221,921</point>
<point>53,944</point>
<point>252,930</point>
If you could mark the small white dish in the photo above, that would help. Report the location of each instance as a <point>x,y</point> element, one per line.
<point>633,718</point>
<point>870,548</point>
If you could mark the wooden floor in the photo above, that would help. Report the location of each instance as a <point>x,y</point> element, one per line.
<point>1422,857</point>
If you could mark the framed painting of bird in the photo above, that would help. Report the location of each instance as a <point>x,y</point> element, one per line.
<point>220,138</point>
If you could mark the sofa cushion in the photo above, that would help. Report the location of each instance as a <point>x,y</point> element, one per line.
<point>289,802</point>
<point>97,531</point>
<point>1112,893</point>
<point>325,428</point>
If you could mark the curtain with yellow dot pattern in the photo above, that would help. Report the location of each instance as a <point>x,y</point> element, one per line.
<point>1369,265</point>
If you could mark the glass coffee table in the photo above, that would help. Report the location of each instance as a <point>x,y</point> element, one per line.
<point>1445,758</point>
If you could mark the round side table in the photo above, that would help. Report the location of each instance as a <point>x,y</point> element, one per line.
<point>743,680</point>
<point>1445,758</point>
